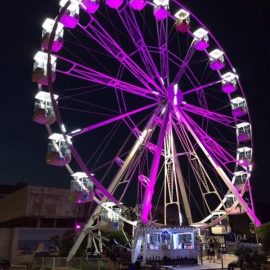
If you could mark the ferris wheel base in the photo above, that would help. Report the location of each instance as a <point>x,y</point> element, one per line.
<point>168,245</point>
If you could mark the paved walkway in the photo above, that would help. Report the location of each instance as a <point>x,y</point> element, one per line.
<point>227,258</point>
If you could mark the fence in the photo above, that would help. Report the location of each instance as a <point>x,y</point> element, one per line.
<point>61,263</point>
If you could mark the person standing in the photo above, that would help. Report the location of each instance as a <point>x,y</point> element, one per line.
<point>211,250</point>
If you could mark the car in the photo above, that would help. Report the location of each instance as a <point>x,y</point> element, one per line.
<point>4,264</point>
<point>240,266</point>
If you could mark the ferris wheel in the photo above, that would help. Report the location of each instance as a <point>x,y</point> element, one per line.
<point>144,108</point>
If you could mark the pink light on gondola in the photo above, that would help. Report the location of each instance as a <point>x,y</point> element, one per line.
<point>137,4</point>
<point>114,3</point>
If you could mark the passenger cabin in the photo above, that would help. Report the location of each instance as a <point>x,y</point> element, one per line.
<point>43,110</point>
<point>115,4</point>
<point>82,189</point>
<point>222,225</point>
<point>39,74</point>
<point>239,107</point>
<point>229,82</point>
<point>243,132</point>
<point>239,180</point>
<point>90,6</point>
<point>171,246</point>
<point>137,4</point>
<point>244,155</point>
<point>70,18</point>
<point>217,61</point>
<point>109,218</point>
<point>58,40</point>
<point>229,203</point>
<point>182,21</point>
<point>201,39</point>
<point>59,153</point>
<point>161,9</point>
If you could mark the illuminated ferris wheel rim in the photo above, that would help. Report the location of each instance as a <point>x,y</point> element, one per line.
<point>218,212</point>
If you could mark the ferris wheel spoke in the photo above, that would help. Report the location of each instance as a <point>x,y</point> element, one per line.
<point>129,21</point>
<point>111,120</point>
<point>217,165</point>
<point>85,73</point>
<point>95,31</point>
<point>217,117</point>
<point>184,64</point>
<point>201,175</point>
<point>221,154</point>
<point>190,76</point>
<point>162,31</point>
<point>149,191</point>
<point>202,87</point>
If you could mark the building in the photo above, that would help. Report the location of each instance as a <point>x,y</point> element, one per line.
<point>30,216</point>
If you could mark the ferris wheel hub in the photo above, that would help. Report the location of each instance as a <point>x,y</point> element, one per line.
<point>175,95</point>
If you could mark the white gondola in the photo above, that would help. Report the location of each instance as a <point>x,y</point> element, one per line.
<point>58,41</point>
<point>239,180</point>
<point>217,61</point>
<point>137,4</point>
<point>109,218</point>
<point>90,6</point>
<point>115,4</point>
<point>43,110</point>
<point>70,18</point>
<point>39,74</point>
<point>59,153</point>
<point>161,9</point>
<point>229,82</point>
<point>82,189</point>
<point>222,227</point>
<point>243,132</point>
<point>244,155</point>
<point>229,203</point>
<point>239,107</point>
<point>182,21</point>
<point>201,39</point>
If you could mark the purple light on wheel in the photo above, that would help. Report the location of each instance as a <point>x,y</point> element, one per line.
<point>229,88</point>
<point>90,6</point>
<point>78,227</point>
<point>216,65</point>
<point>69,21</point>
<point>201,45</point>
<point>114,3</point>
<point>244,138</point>
<point>161,13</point>
<point>238,112</point>
<point>137,4</point>
<point>56,46</point>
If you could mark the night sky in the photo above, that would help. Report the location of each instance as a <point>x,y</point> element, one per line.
<point>241,26</point>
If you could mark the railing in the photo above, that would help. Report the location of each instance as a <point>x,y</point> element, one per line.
<point>58,263</point>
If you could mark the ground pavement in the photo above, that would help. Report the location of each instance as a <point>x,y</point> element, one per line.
<point>227,258</point>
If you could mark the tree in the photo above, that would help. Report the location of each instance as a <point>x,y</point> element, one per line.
<point>65,242</point>
<point>263,233</point>
<point>117,235</point>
